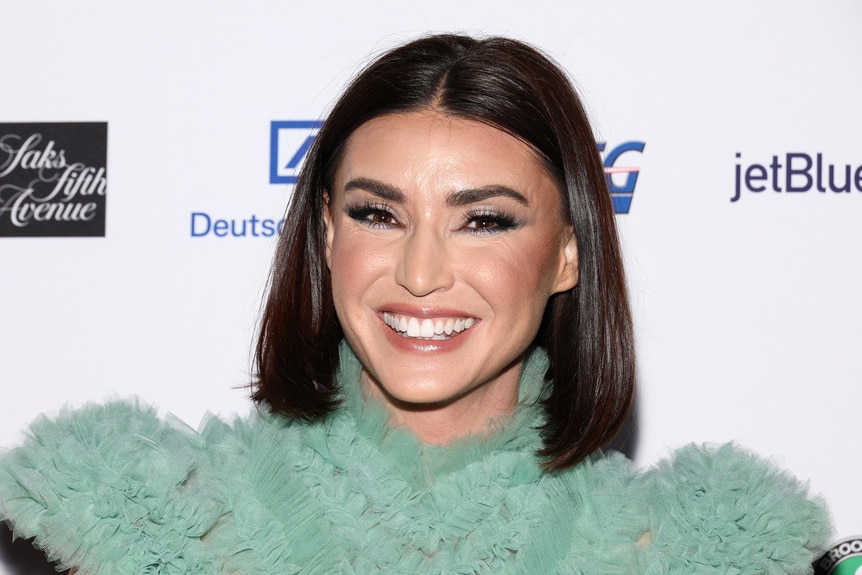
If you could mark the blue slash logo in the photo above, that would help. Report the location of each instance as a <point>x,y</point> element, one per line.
<point>289,142</point>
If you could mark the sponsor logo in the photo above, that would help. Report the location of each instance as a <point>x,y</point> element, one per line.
<point>53,179</point>
<point>845,558</point>
<point>796,173</point>
<point>621,179</point>
<point>203,224</point>
<point>290,141</point>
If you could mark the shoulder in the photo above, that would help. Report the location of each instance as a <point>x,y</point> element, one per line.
<point>608,519</point>
<point>724,509</point>
<point>113,487</point>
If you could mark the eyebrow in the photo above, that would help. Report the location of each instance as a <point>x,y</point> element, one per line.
<point>455,199</point>
<point>475,195</point>
<point>379,189</point>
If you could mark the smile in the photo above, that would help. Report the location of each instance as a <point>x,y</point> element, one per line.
<point>435,329</point>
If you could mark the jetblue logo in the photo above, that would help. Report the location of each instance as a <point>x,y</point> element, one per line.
<point>291,140</point>
<point>796,173</point>
<point>621,174</point>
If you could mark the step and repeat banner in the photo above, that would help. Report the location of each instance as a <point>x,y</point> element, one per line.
<point>147,153</point>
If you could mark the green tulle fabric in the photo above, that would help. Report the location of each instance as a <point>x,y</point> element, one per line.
<point>115,489</point>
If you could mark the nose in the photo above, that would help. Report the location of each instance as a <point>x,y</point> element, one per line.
<point>424,265</point>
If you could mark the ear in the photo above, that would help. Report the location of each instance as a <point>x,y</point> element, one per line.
<point>328,228</point>
<point>568,271</point>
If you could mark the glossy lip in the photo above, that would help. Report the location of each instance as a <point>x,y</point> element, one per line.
<point>413,345</point>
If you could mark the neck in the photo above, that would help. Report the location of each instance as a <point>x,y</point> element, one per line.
<point>443,423</point>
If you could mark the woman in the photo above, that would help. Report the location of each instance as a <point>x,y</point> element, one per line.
<point>446,345</point>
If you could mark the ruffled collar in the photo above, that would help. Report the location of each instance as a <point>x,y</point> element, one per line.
<point>515,438</point>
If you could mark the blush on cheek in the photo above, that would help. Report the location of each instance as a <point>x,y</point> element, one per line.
<point>523,271</point>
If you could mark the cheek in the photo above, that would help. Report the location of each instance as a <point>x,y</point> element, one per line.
<point>514,274</point>
<point>354,264</point>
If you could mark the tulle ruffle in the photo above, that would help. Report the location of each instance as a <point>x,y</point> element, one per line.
<point>115,489</point>
<point>725,510</point>
<point>112,489</point>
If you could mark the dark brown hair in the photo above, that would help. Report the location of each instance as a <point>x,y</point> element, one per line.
<point>586,331</point>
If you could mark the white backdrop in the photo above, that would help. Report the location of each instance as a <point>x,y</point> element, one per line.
<point>747,319</point>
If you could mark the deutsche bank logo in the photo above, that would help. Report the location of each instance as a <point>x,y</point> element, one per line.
<point>621,179</point>
<point>289,142</point>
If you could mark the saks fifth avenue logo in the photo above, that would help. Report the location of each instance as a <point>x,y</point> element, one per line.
<point>53,179</point>
<point>290,140</point>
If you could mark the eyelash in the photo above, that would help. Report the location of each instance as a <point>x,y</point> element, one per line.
<point>499,221</point>
<point>364,214</point>
<point>495,221</point>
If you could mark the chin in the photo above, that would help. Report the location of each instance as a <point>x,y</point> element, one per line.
<point>415,390</point>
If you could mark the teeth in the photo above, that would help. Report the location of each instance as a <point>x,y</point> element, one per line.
<point>414,328</point>
<point>427,329</point>
<point>438,328</point>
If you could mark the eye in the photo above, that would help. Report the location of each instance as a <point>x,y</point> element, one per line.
<point>380,217</point>
<point>373,215</point>
<point>483,223</point>
<point>490,223</point>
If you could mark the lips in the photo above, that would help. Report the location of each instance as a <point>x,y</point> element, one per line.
<point>437,328</point>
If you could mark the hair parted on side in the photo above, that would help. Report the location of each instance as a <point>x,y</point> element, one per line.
<point>587,331</point>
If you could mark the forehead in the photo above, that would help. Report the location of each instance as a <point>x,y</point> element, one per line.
<point>433,149</point>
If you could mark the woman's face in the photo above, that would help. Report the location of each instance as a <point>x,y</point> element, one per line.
<point>445,240</point>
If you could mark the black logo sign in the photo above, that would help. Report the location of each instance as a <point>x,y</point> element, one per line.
<point>845,558</point>
<point>53,179</point>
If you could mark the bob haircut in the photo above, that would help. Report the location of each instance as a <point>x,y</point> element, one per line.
<point>586,331</point>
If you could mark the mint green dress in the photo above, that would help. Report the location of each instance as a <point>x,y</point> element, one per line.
<point>114,489</point>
